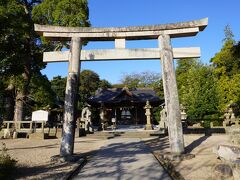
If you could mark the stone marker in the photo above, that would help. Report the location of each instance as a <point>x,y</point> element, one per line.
<point>228,153</point>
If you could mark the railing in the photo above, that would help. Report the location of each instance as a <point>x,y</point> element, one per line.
<point>21,126</point>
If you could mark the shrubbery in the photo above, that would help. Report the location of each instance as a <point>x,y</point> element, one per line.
<point>7,164</point>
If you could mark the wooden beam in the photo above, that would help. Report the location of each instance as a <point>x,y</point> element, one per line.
<point>120,54</point>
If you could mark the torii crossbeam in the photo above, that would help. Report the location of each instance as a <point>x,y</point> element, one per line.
<point>165,52</point>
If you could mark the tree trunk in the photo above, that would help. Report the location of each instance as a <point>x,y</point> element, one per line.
<point>22,91</point>
<point>18,110</point>
<point>21,95</point>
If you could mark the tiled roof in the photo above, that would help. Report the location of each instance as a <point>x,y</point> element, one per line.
<point>118,96</point>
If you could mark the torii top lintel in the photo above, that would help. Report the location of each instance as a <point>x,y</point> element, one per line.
<point>181,29</point>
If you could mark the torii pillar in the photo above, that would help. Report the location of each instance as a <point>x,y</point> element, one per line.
<point>67,144</point>
<point>171,96</point>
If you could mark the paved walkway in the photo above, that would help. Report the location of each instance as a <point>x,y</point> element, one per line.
<point>123,159</point>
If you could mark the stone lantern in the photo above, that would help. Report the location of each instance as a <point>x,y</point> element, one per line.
<point>183,115</point>
<point>148,108</point>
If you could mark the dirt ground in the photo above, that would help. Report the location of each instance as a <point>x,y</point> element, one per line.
<point>34,156</point>
<point>201,166</point>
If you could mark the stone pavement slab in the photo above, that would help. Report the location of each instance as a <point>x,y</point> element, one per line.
<point>123,158</point>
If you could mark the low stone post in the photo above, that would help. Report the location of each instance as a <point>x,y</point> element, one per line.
<point>148,108</point>
<point>31,126</point>
<point>102,117</point>
<point>163,122</point>
<point>67,144</point>
<point>171,95</point>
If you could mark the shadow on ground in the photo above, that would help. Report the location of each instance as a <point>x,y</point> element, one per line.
<point>195,144</point>
<point>123,160</point>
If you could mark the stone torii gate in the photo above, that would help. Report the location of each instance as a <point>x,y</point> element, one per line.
<point>165,52</point>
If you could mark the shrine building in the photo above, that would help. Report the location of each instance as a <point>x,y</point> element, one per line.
<point>126,105</point>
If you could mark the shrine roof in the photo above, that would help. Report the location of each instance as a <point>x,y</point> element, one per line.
<point>124,96</point>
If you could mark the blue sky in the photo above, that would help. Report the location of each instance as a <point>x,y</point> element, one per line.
<point>115,13</point>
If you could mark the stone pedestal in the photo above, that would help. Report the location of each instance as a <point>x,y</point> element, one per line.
<point>6,133</point>
<point>15,135</point>
<point>148,127</point>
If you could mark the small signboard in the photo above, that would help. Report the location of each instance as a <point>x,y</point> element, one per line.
<point>113,120</point>
<point>40,115</point>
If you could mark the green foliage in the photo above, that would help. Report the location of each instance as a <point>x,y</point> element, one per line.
<point>20,54</point>
<point>225,62</point>
<point>207,90</point>
<point>105,84</point>
<point>183,67</point>
<point>197,88</point>
<point>21,48</point>
<point>7,164</point>
<point>89,83</point>
<point>62,12</point>
<point>58,85</point>
<point>227,71</point>
<point>118,85</point>
<point>228,91</point>
<point>71,13</point>
<point>13,36</point>
<point>156,115</point>
<point>41,91</point>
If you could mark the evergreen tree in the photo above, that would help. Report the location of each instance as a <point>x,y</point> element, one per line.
<point>227,71</point>
<point>197,90</point>
<point>58,85</point>
<point>21,48</point>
